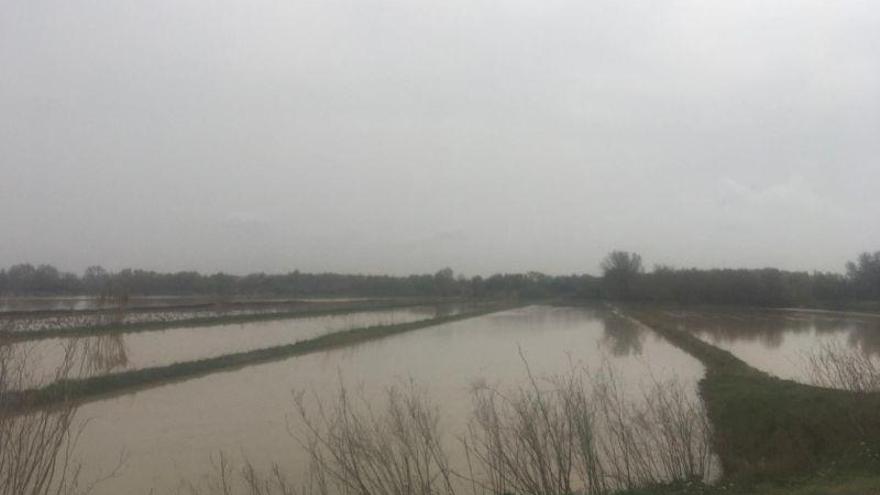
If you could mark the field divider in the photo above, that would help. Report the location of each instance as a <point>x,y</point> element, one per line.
<point>765,426</point>
<point>713,358</point>
<point>206,321</point>
<point>83,390</point>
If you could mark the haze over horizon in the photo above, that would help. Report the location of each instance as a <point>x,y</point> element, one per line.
<point>384,136</point>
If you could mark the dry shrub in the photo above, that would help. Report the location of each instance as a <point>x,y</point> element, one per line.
<point>572,433</point>
<point>534,439</point>
<point>353,449</point>
<point>663,437</point>
<point>833,365</point>
<point>557,436</point>
<point>225,480</point>
<point>36,447</point>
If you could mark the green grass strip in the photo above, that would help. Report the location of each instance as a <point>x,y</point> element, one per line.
<point>85,389</point>
<point>767,428</point>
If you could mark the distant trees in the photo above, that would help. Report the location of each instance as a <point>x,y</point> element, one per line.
<point>445,283</point>
<point>624,278</point>
<point>28,278</point>
<point>95,279</point>
<point>761,287</point>
<point>25,279</point>
<point>865,274</point>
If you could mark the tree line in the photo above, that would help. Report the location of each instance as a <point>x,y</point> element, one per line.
<point>623,278</point>
<point>46,280</point>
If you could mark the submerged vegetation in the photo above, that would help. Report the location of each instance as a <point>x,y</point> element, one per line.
<point>56,328</point>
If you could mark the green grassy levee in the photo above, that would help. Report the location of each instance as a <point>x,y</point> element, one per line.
<point>778,436</point>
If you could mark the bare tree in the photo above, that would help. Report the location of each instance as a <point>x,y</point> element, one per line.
<point>663,436</point>
<point>557,436</point>
<point>560,435</point>
<point>36,448</point>
<point>398,451</point>
<point>248,480</point>
<point>534,439</point>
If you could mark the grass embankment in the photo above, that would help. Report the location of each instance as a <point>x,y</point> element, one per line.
<point>836,484</point>
<point>779,436</point>
<point>211,321</point>
<point>86,389</point>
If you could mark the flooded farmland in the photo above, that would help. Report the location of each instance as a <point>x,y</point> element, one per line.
<point>169,433</point>
<point>88,303</point>
<point>95,355</point>
<point>84,303</point>
<point>175,311</point>
<point>782,342</point>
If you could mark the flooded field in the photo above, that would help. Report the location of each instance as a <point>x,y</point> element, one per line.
<point>85,303</point>
<point>65,320</point>
<point>782,342</point>
<point>80,303</point>
<point>37,322</point>
<point>169,433</point>
<point>90,356</point>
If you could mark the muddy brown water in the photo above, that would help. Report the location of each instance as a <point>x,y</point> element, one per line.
<point>91,356</point>
<point>169,433</point>
<point>779,341</point>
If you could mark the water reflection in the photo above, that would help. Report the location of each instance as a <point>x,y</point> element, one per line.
<point>42,363</point>
<point>621,336</point>
<point>777,341</point>
<point>104,354</point>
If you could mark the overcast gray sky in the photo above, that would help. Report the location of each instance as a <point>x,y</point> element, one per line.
<point>404,136</point>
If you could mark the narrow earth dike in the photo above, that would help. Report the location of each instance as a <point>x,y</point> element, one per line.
<point>93,388</point>
<point>770,430</point>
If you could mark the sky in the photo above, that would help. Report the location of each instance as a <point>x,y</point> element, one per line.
<point>404,136</point>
